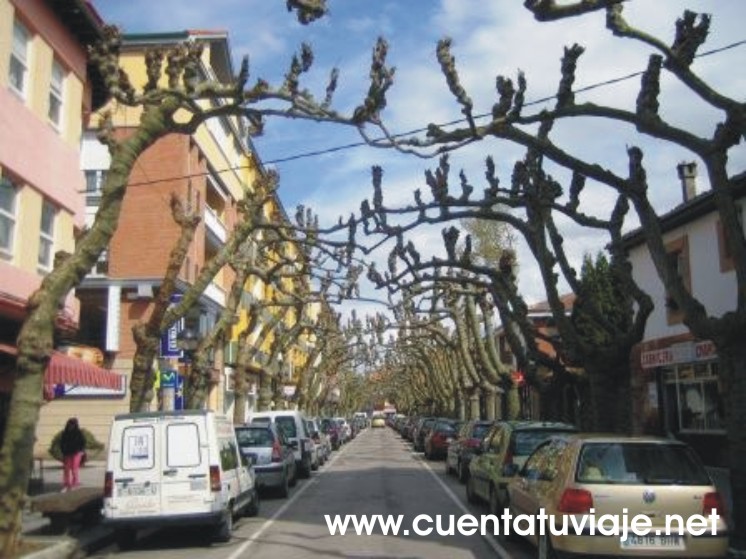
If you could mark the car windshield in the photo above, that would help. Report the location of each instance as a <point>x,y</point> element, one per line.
<point>286,424</point>
<point>526,440</point>
<point>640,464</point>
<point>254,437</point>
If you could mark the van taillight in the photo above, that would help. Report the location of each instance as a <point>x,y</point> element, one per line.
<point>108,485</point>
<point>215,484</point>
<point>575,501</point>
<point>276,452</point>
<point>712,501</point>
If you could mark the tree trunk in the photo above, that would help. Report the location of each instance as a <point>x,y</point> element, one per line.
<point>36,339</point>
<point>611,392</point>
<point>733,378</point>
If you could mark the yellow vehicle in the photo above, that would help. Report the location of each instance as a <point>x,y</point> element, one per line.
<point>584,475</point>
<point>378,420</point>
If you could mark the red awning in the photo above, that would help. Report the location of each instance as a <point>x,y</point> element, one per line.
<point>63,369</point>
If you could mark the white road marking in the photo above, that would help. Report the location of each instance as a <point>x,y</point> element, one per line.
<point>497,548</point>
<point>312,481</point>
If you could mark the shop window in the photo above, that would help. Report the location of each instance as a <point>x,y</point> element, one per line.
<point>693,399</point>
<point>18,71</point>
<point>678,254</point>
<point>7,217</point>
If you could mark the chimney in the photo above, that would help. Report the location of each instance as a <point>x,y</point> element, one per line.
<point>688,176</point>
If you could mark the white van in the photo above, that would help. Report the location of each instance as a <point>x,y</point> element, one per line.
<point>175,468</point>
<point>293,425</point>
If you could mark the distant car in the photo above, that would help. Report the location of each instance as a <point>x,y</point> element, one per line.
<point>461,449</point>
<point>572,475</point>
<point>345,431</point>
<point>503,452</point>
<point>378,420</point>
<point>292,424</point>
<point>439,437</point>
<point>271,455</point>
<point>332,430</point>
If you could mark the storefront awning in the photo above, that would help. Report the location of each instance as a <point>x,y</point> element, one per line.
<point>66,370</point>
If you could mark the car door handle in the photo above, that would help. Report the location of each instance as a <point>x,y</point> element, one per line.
<point>171,472</point>
<point>195,476</point>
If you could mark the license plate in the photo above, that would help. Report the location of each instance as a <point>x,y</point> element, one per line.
<point>653,542</point>
<point>139,489</point>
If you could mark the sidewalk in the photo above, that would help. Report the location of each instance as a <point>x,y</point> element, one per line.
<point>87,537</point>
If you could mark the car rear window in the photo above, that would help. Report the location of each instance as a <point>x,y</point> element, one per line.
<point>480,430</point>
<point>286,424</point>
<point>445,427</point>
<point>254,437</point>
<point>640,464</point>
<point>525,441</point>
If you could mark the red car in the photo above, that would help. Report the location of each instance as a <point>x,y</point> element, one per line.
<point>439,437</point>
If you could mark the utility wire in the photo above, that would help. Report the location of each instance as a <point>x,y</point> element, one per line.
<point>361,143</point>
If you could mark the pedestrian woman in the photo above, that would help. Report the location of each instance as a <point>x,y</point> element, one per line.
<point>72,445</point>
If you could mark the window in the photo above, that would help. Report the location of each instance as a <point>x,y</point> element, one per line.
<point>693,399</point>
<point>726,258</point>
<point>94,183</point>
<point>678,254</point>
<point>46,237</point>
<point>55,94</point>
<point>19,59</point>
<point>182,445</point>
<point>7,217</point>
<point>138,449</point>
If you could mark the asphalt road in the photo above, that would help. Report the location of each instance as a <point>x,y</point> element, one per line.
<point>375,474</point>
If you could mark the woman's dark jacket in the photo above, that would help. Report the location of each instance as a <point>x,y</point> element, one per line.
<point>72,442</point>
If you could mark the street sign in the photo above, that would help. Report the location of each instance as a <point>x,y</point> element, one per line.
<point>169,345</point>
<point>169,378</point>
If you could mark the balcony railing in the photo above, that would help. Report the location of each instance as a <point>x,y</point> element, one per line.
<point>215,225</point>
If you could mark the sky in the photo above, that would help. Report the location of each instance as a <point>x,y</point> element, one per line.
<point>489,38</point>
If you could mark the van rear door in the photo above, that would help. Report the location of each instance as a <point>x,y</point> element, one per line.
<point>134,459</point>
<point>185,468</point>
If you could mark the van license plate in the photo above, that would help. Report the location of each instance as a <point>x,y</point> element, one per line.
<point>139,489</point>
<point>653,542</point>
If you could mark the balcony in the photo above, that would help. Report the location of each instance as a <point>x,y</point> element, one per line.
<point>216,230</point>
<point>215,293</point>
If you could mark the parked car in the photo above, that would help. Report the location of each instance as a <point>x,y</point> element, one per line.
<point>271,455</point>
<point>344,429</point>
<point>293,425</point>
<point>656,477</point>
<point>331,428</point>
<point>461,449</point>
<point>419,433</point>
<point>503,452</point>
<point>319,441</point>
<point>175,468</point>
<point>439,437</point>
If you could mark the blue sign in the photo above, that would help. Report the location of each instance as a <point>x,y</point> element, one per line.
<point>179,397</point>
<point>169,339</point>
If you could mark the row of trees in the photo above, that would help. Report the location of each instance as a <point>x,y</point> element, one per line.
<point>444,305</point>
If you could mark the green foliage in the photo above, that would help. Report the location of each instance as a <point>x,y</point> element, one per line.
<point>92,446</point>
<point>602,309</point>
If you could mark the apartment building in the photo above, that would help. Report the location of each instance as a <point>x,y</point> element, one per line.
<point>47,93</point>
<point>676,381</point>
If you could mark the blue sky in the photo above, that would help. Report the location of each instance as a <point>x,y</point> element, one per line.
<point>489,38</point>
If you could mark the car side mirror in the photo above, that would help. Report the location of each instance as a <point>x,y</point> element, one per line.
<point>510,470</point>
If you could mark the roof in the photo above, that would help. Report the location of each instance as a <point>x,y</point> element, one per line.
<point>568,300</point>
<point>220,52</point>
<point>685,213</point>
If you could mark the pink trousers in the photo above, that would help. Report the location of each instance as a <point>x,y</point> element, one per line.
<point>70,470</point>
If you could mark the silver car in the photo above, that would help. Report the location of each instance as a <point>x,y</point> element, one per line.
<point>271,455</point>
